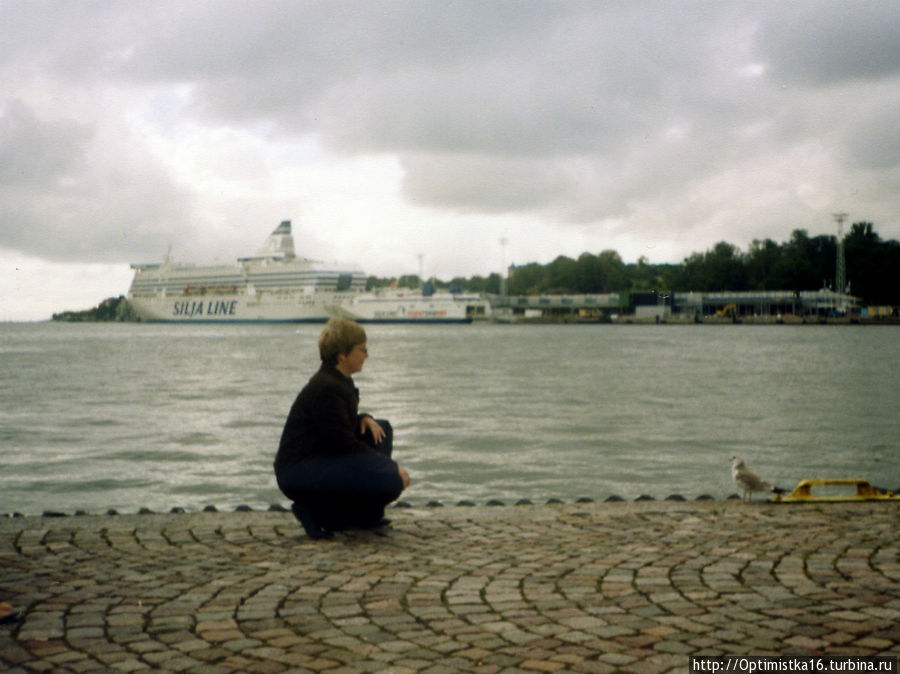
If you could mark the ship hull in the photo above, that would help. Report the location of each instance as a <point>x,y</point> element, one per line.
<point>231,309</point>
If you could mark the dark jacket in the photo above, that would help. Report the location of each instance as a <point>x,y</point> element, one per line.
<point>324,420</point>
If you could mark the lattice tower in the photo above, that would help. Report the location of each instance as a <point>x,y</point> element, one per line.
<point>840,280</point>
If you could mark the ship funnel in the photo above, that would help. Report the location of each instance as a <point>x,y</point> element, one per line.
<point>280,244</point>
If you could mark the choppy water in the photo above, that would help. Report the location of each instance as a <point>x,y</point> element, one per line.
<point>97,416</point>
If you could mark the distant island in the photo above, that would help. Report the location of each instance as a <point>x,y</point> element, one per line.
<point>111,309</point>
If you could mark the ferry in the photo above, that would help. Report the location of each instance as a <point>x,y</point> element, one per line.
<point>422,305</point>
<point>271,286</point>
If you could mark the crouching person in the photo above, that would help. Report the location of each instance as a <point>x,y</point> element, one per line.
<point>332,462</point>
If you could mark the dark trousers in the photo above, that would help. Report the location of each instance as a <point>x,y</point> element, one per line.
<point>349,491</point>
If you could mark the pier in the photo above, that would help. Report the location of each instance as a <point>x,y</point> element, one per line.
<point>563,587</point>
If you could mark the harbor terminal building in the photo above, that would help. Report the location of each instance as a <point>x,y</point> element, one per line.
<point>749,306</point>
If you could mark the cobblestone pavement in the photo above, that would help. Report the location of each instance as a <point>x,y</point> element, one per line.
<point>579,587</point>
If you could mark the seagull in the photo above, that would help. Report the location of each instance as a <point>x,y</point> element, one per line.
<point>746,480</point>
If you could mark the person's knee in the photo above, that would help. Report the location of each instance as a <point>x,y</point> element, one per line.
<point>385,447</point>
<point>388,431</point>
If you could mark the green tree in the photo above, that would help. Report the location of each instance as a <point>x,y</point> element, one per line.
<point>562,275</point>
<point>873,265</point>
<point>613,275</point>
<point>721,268</point>
<point>760,263</point>
<point>587,274</point>
<point>795,270</point>
<point>526,280</point>
<point>801,263</point>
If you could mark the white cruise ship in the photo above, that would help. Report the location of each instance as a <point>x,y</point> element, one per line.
<point>272,286</point>
<point>413,306</point>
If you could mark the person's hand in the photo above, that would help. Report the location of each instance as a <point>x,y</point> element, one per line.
<point>404,476</point>
<point>368,423</point>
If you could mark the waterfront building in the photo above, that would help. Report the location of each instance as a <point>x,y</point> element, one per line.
<point>751,306</point>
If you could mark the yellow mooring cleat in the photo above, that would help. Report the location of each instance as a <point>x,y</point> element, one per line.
<point>864,492</point>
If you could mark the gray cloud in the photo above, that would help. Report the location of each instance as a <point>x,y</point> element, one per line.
<point>827,42</point>
<point>871,140</point>
<point>33,151</point>
<point>67,194</point>
<point>576,112</point>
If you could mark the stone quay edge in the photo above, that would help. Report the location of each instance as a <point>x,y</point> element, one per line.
<point>565,587</point>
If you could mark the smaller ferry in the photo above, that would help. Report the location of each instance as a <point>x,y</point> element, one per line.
<point>422,305</point>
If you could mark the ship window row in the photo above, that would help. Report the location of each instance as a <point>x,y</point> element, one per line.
<point>255,279</point>
<point>252,278</point>
<point>180,286</point>
<point>221,280</point>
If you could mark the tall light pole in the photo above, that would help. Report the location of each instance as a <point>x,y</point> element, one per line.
<point>503,277</point>
<point>840,280</point>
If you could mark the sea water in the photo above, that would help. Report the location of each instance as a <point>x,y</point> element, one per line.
<point>125,416</point>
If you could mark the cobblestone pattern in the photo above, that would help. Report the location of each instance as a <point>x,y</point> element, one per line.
<point>633,587</point>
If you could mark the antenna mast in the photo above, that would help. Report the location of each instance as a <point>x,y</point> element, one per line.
<point>840,281</point>
<point>504,278</point>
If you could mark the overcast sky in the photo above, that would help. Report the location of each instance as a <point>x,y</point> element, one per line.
<point>389,130</point>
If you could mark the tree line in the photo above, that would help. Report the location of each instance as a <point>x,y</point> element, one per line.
<point>801,263</point>
<point>110,309</point>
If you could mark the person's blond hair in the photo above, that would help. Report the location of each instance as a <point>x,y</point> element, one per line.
<point>339,336</point>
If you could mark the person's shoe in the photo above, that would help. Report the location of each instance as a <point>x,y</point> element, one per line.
<point>8,614</point>
<point>310,526</point>
<point>380,524</point>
